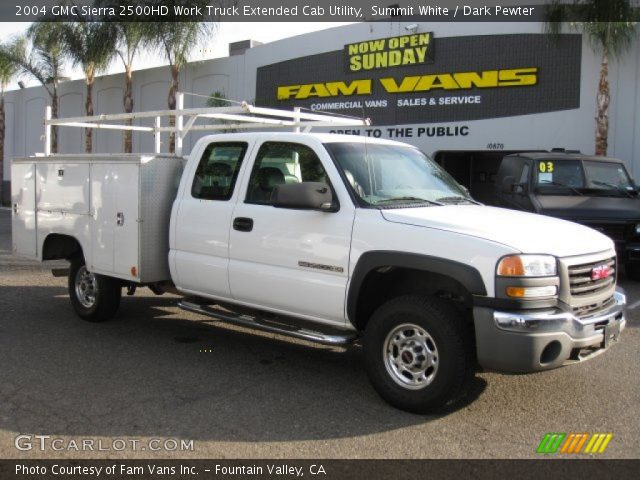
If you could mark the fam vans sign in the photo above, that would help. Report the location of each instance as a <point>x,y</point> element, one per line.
<point>406,79</point>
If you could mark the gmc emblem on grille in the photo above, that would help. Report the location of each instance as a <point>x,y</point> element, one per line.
<point>600,272</point>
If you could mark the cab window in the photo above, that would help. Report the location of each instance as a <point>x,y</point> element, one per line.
<point>279,163</point>
<point>217,171</point>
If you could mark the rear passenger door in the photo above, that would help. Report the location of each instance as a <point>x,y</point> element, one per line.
<point>290,260</point>
<point>200,247</point>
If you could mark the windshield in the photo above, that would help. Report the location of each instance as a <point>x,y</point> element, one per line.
<point>391,175</point>
<point>576,177</point>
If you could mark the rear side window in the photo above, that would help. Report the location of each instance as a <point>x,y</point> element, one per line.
<point>217,171</point>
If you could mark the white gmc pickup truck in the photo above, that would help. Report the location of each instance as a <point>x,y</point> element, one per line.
<point>329,238</point>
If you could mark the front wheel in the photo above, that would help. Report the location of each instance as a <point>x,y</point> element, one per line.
<point>418,352</point>
<point>94,297</point>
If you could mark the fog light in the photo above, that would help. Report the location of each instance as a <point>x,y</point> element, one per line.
<point>532,292</point>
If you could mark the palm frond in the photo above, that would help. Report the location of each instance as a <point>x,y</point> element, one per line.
<point>609,25</point>
<point>177,39</point>
<point>8,67</point>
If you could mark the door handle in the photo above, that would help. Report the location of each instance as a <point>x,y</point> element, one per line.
<point>243,224</point>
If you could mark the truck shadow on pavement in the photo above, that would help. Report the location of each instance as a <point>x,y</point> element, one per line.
<point>157,371</point>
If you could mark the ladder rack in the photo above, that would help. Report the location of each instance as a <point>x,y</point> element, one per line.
<point>243,116</point>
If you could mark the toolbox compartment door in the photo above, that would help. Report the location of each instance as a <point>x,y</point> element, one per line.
<point>23,204</point>
<point>103,206</point>
<point>115,203</point>
<point>63,187</point>
<point>126,261</point>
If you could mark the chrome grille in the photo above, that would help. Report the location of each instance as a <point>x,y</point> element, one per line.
<point>593,308</point>
<point>580,282</point>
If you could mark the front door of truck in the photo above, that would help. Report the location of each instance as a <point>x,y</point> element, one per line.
<point>200,246</point>
<point>290,260</point>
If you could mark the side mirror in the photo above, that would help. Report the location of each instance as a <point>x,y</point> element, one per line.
<point>304,196</point>
<point>507,184</point>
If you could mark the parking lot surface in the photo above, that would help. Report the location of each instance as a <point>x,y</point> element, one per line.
<point>158,373</point>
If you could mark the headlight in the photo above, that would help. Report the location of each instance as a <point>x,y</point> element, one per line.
<point>637,229</point>
<point>527,266</point>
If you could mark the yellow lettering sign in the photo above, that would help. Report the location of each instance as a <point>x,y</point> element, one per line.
<point>517,77</point>
<point>388,52</point>
<point>328,89</point>
<point>546,167</point>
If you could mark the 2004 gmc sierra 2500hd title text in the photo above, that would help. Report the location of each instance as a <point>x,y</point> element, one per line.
<point>330,238</point>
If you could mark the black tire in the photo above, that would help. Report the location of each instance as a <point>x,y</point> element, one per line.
<point>105,292</point>
<point>632,270</point>
<point>448,338</point>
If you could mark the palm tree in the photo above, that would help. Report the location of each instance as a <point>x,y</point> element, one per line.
<point>39,55</point>
<point>609,26</point>
<point>131,36</point>
<point>90,45</point>
<point>217,99</point>
<point>176,40</point>
<point>8,70</point>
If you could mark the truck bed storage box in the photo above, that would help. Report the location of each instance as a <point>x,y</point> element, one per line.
<point>117,206</point>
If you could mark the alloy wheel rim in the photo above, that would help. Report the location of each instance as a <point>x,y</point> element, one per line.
<point>411,356</point>
<point>86,287</point>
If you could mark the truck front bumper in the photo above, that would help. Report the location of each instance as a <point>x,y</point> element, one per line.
<point>520,342</point>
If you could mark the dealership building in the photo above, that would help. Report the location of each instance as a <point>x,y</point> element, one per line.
<point>458,91</point>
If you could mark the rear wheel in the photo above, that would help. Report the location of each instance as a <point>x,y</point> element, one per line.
<point>94,297</point>
<point>419,353</point>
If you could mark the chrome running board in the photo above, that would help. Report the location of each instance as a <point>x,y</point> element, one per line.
<point>272,326</point>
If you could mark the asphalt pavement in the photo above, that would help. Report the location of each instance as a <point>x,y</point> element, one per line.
<point>158,376</point>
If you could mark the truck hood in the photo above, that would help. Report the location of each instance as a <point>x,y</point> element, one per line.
<point>524,232</point>
<point>590,208</point>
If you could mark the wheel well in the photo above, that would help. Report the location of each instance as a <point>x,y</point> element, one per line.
<point>385,283</point>
<point>58,246</point>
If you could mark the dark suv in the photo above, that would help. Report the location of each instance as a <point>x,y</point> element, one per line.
<point>594,191</point>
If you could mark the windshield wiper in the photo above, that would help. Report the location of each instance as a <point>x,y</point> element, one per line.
<point>559,184</point>
<point>407,199</point>
<point>614,186</point>
<point>457,199</point>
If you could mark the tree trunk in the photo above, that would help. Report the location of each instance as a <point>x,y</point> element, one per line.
<point>88,132</point>
<point>128,108</point>
<point>54,114</point>
<point>1,146</point>
<point>602,100</point>
<point>173,91</point>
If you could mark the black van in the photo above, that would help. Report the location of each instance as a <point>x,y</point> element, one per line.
<point>595,191</point>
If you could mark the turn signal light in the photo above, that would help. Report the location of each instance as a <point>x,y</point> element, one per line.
<point>532,292</point>
<point>511,267</point>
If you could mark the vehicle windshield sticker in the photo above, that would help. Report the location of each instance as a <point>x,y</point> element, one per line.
<point>545,177</point>
<point>545,167</point>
